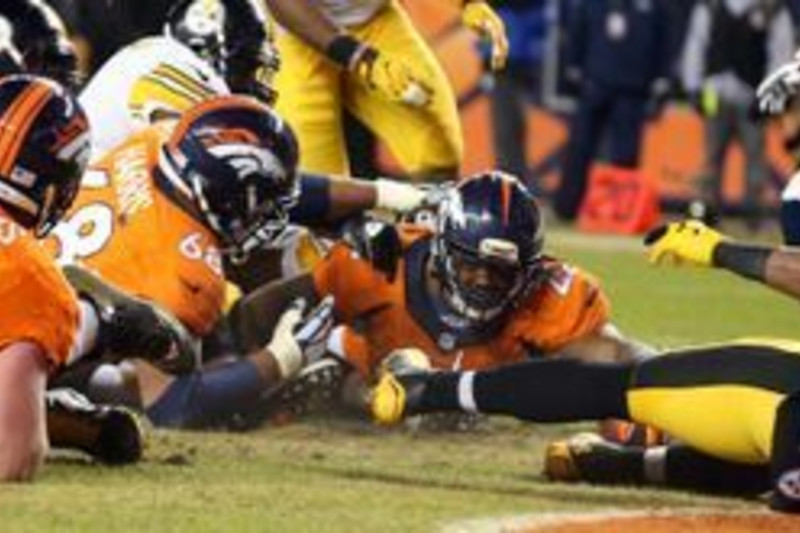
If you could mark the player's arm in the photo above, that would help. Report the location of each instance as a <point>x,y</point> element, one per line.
<point>23,437</point>
<point>607,345</point>
<point>389,77</point>
<point>692,242</point>
<point>325,199</point>
<point>254,316</point>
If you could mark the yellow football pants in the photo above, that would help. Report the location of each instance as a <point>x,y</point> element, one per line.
<point>313,91</point>
<point>719,400</point>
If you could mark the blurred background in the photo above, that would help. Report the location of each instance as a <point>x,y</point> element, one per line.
<point>659,92</point>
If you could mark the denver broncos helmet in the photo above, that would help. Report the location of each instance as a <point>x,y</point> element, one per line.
<point>235,160</point>
<point>490,226</point>
<point>44,149</point>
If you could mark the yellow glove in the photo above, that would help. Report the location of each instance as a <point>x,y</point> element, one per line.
<point>481,18</point>
<point>392,79</point>
<point>689,242</point>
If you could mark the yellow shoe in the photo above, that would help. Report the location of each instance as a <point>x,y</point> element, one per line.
<point>388,400</point>
<point>590,458</point>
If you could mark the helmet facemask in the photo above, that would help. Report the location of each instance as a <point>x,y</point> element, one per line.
<point>246,202</point>
<point>486,265</point>
<point>482,285</point>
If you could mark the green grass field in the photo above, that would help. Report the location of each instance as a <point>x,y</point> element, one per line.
<point>347,477</point>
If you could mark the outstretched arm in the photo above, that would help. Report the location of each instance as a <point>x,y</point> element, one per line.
<point>692,242</point>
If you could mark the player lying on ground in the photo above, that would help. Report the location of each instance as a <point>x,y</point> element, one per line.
<point>44,147</point>
<point>477,293</point>
<point>161,216</point>
<point>687,393</point>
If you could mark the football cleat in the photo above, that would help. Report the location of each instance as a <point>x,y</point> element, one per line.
<point>316,386</point>
<point>131,327</point>
<point>590,458</point>
<point>109,434</point>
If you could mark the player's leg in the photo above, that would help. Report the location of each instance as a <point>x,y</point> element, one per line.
<point>309,99</point>
<point>426,141</point>
<point>689,394</point>
<point>590,458</point>
<point>23,438</point>
<point>539,391</point>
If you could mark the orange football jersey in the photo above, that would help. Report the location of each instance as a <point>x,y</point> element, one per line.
<point>39,304</point>
<point>125,228</point>
<point>387,315</point>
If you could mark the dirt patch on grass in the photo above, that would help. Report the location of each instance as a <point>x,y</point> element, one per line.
<point>672,522</point>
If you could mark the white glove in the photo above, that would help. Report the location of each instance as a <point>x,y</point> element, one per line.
<point>777,89</point>
<point>397,196</point>
<point>403,198</point>
<point>295,336</point>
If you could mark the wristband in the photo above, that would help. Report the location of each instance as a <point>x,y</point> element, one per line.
<point>345,50</point>
<point>746,260</point>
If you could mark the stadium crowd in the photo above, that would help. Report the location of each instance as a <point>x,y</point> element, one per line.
<point>181,218</point>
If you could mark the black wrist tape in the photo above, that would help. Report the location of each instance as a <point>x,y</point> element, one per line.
<point>343,49</point>
<point>747,260</point>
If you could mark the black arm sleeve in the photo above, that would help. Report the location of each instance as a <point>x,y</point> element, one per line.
<point>314,204</point>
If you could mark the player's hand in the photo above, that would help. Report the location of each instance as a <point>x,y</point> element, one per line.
<point>392,79</point>
<point>779,88</point>
<point>403,198</point>
<point>295,336</point>
<point>689,242</point>
<point>482,19</point>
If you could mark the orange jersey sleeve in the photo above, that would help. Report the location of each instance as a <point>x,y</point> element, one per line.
<point>40,306</point>
<point>356,286</point>
<point>570,305</point>
<point>124,228</point>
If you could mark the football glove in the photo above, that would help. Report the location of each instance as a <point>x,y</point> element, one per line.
<point>298,339</point>
<point>481,18</point>
<point>689,242</point>
<point>390,78</point>
<point>778,89</point>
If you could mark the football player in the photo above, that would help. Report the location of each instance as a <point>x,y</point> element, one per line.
<point>201,55</point>
<point>44,147</point>
<point>367,57</point>
<point>477,293</point>
<point>32,39</point>
<point>161,215</point>
<point>687,393</point>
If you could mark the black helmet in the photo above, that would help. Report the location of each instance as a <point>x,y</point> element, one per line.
<point>44,149</point>
<point>236,161</point>
<point>491,222</point>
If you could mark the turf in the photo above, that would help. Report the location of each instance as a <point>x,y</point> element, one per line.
<point>344,476</point>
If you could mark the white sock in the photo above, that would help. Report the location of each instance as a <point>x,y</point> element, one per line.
<point>88,328</point>
<point>655,465</point>
<point>466,394</point>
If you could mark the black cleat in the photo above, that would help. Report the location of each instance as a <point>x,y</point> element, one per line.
<point>109,434</point>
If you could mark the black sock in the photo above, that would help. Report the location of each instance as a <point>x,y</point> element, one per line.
<point>687,468</point>
<point>541,391</point>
